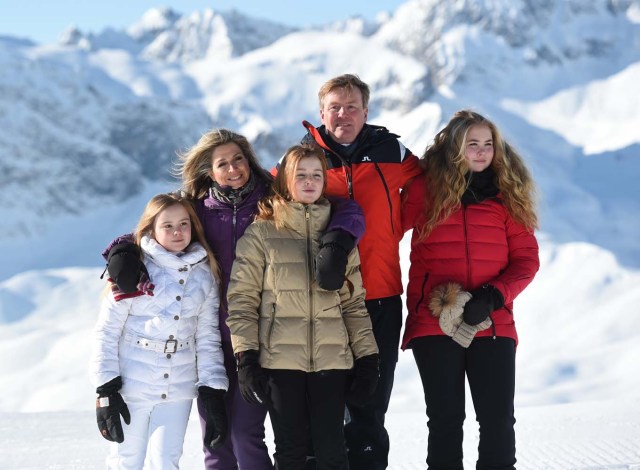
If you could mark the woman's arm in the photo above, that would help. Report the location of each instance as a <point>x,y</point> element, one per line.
<point>524,261</point>
<point>413,201</point>
<point>346,215</point>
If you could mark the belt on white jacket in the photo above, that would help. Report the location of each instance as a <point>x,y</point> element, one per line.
<point>168,346</point>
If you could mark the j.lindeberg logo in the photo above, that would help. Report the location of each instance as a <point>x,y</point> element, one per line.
<point>366,159</point>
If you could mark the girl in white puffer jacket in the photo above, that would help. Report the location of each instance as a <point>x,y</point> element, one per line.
<point>158,347</point>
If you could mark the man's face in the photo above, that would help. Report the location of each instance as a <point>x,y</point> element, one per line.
<point>343,114</point>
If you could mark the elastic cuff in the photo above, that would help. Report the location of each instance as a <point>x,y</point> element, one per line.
<point>464,334</point>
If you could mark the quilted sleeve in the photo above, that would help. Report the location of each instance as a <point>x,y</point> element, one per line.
<point>209,356</point>
<point>105,363</point>
<point>524,261</point>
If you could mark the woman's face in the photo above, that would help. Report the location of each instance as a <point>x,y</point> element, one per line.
<point>172,228</point>
<point>308,181</point>
<point>229,166</point>
<point>479,148</point>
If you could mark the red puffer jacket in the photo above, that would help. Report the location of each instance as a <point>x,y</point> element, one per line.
<point>478,244</point>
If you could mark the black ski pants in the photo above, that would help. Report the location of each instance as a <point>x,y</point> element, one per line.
<point>367,439</point>
<point>489,365</point>
<point>304,406</point>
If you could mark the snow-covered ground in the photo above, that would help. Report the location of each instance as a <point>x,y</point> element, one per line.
<point>586,436</point>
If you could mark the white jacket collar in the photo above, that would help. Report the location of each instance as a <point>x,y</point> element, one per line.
<point>195,253</point>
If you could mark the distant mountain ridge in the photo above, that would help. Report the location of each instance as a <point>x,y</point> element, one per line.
<point>93,121</point>
<point>163,34</point>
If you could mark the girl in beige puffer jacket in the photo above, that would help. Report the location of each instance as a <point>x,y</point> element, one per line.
<point>297,344</point>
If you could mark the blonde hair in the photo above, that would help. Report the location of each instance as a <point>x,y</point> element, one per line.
<point>274,207</point>
<point>445,170</point>
<point>161,202</point>
<point>194,166</point>
<point>347,81</point>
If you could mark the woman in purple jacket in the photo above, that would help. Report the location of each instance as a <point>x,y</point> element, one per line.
<point>223,177</point>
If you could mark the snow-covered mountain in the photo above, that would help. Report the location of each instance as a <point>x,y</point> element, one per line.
<point>165,35</point>
<point>93,120</point>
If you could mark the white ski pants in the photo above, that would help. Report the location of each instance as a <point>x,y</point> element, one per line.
<point>156,432</point>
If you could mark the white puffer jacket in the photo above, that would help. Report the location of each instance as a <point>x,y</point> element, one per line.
<point>131,334</point>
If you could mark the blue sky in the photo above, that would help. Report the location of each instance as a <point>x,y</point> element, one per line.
<point>44,20</point>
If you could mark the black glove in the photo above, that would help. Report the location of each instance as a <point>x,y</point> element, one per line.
<point>216,418</point>
<point>364,381</point>
<point>331,260</point>
<point>483,301</point>
<point>252,379</point>
<point>125,265</point>
<point>109,407</point>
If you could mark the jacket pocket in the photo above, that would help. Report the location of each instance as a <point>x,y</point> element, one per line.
<point>388,194</point>
<point>422,297</point>
<point>272,321</point>
<point>337,318</point>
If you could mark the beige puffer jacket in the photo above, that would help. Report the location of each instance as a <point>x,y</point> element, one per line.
<point>277,308</point>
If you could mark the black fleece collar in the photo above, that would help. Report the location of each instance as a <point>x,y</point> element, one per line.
<point>480,186</point>
<point>369,135</point>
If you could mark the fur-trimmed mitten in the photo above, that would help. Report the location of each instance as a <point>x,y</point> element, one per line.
<point>447,304</point>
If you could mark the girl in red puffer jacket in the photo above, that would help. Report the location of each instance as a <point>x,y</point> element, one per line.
<point>473,250</point>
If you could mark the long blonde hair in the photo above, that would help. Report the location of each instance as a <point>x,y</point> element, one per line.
<point>274,207</point>
<point>446,168</point>
<point>194,165</point>
<point>161,202</point>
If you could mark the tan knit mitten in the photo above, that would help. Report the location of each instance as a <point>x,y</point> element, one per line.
<point>465,333</point>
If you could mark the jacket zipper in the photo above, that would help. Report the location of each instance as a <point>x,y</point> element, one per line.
<point>273,320</point>
<point>235,231</point>
<point>466,246</point>
<point>347,175</point>
<point>309,287</point>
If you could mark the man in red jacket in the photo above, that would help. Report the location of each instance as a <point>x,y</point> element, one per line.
<point>369,164</point>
